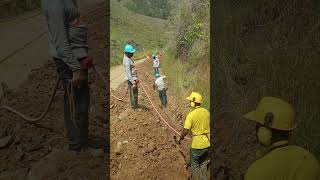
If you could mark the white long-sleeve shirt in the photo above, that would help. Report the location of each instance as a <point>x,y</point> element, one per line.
<point>156,62</point>
<point>160,82</point>
<point>129,68</point>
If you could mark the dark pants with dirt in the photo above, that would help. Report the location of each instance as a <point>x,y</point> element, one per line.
<point>199,163</point>
<point>163,97</point>
<point>133,95</point>
<point>76,122</point>
<point>155,71</point>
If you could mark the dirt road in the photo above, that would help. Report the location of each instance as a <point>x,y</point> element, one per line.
<point>24,44</point>
<point>142,146</point>
<point>117,75</point>
<point>39,151</point>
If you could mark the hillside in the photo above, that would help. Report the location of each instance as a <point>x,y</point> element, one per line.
<point>187,61</point>
<point>265,48</point>
<point>125,25</point>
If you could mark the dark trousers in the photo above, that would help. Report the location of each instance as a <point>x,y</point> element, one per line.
<point>199,163</point>
<point>76,122</point>
<point>155,71</point>
<point>133,95</point>
<point>163,97</point>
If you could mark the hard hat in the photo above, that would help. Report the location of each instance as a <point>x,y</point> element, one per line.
<point>157,75</point>
<point>283,115</point>
<point>129,49</point>
<point>195,97</point>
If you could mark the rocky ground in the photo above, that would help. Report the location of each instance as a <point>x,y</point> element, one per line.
<point>142,146</point>
<point>39,151</point>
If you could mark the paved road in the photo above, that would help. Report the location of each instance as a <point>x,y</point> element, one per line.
<point>26,36</point>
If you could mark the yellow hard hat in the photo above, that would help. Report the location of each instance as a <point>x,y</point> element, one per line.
<point>283,114</point>
<point>195,97</point>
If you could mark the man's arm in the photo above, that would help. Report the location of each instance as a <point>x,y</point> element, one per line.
<point>183,134</point>
<point>128,71</point>
<point>57,28</point>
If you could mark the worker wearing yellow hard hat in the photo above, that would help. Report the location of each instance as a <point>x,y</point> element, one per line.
<point>198,122</point>
<point>275,120</point>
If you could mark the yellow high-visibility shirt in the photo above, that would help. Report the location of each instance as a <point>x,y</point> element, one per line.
<point>198,121</point>
<point>285,163</point>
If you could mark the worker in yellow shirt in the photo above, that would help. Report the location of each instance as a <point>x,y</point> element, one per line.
<point>198,122</point>
<point>278,160</point>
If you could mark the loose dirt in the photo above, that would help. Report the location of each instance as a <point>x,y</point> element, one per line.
<point>35,148</point>
<point>142,146</point>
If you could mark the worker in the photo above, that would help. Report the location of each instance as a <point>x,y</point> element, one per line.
<point>69,49</point>
<point>131,75</point>
<point>275,119</point>
<point>198,122</point>
<point>160,85</point>
<point>156,64</point>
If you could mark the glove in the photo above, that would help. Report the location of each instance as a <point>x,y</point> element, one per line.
<point>86,63</point>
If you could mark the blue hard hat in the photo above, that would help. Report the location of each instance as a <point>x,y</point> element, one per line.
<point>157,75</point>
<point>129,49</point>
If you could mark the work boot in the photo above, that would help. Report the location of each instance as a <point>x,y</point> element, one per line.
<point>75,147</point>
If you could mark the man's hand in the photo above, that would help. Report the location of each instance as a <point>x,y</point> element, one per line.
<point>77,77</point>
<point>179,141</point>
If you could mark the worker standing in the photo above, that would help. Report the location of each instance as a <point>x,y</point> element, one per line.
<point>198,122</point>
<point>156,64</point>
<point>160,85</point>
<point>275,120</point>
<point>69,49</point>
<point>131,75</point>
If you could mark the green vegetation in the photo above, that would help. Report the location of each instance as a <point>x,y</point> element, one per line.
<point>187,63</point>
<point>154,8</point>
<point>146,32</point>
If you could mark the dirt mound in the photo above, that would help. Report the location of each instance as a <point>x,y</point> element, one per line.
<point>33,144</point>
<point>142,146</point>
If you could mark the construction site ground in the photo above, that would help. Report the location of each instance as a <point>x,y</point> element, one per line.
<point>142,146</point>
<point>39,151</point>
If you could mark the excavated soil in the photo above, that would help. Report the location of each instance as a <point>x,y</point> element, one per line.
<point>142,146</point>
<point>35,148</point>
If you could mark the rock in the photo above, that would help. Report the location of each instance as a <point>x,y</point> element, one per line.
<point>125,142</point>
<point>145,123</point>
<point>150,148</point>
<point>19,174</point>
<point>119,148</point>
<point>19,154</point>
<point>48,166</point>
<point>123,114</point>
<point>96,152</point>
<point>156,153</point>
<point>5,141</point>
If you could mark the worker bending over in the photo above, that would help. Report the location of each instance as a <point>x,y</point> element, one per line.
<point>198,122</point>
<point>278,160</point>
<point>160,85</point>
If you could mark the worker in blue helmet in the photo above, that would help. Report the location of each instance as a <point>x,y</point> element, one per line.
<point>131,74</point>
<point>156,64</point>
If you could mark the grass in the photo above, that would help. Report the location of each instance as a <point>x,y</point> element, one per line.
<point>146,32</point>
<point>187,77</point>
